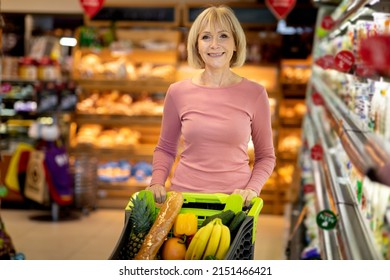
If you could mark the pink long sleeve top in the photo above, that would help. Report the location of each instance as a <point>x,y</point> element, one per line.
<point>217,125</point>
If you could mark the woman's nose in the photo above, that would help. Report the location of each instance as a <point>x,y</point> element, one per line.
<point>214,42</point>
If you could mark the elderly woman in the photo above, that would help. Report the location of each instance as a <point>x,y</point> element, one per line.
<point>217,112</point>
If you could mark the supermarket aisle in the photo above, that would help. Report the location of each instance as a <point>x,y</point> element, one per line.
<point>94,236</point>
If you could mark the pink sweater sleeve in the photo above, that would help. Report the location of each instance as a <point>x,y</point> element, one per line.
<point>265,158</point>
<point>166,149</point>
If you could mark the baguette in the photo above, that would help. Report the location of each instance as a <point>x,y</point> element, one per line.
<point>161,227</point>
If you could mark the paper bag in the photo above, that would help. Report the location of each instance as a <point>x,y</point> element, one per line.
<point>35,187</point>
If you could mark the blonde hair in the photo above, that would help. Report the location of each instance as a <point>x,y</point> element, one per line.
<point>222,16</point>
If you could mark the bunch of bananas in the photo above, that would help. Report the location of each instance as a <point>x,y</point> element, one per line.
<point>212,239</point>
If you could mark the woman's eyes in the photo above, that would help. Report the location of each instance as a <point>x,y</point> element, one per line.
<point>220,36</point>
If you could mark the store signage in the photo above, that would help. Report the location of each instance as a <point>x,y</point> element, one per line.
<point>375,52</point>
<point>326,219</point>
<point>325,62</point>
<point>280,8</point>
<point>91,7</point>
<point>327,23</point>
<point>365,71</point>
<point>308,188</point>
<point>344,60</point>
<point>317,99</point>
<point>316,152</point>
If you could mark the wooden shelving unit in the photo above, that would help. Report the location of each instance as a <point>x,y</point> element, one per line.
<point>146,45</point>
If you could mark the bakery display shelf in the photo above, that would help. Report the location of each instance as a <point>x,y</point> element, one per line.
<point>291,112</point>
<point>287,156</point>
<point>124,185</point>
<point>136,152</point>
<point>136,55</point>
<point>119,190</point>
<point>117,120</point>
<point>141,85</point>
<point>116,195</point>
<point>290,122</point>
<point>294,90</point>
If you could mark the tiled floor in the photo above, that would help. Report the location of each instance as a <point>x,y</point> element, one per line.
<point>94,236</point>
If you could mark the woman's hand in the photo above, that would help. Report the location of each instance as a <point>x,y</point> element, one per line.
<point>159,192</point>
<point>247,195</point>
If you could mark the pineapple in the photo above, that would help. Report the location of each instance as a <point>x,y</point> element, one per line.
<point>141,220</point>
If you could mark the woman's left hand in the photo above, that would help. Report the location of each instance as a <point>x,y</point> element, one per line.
<point>247,195</point>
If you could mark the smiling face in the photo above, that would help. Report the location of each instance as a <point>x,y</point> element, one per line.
<point>216,46</point>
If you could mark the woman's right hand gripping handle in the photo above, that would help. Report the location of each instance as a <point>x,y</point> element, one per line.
<point>159,192</point>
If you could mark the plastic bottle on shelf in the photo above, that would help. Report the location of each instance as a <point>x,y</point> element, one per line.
<point>387,115</point>
<point>382,23</point>
<point>378,107</point>
<point>362,103</point>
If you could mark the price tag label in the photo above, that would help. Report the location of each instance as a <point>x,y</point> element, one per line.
<point>316,152</point>
<point>344,61</point>
<point>280,8</point>
<point>326,219</point>
<point>327,22</point>
<point>308,188</point>
<point>325,62</point>
<point>365,71</point>
<point>317,99</point>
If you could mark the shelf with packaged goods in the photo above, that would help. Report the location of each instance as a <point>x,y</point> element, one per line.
<point>25,102</point>
<point>345,177</point>
<point>352,237</point>
<point>367,147</point>
<point>367,151</point>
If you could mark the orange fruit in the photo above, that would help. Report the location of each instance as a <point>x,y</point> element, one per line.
<point>173,248</point>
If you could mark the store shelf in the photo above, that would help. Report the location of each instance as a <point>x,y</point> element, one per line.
<point>136,152</point>
<point>329,245</point>
<point>352,235</point>
<point>351,239</point>
<point>367,151</point>
<point>117,120</point>
<point>151,85</point>
<point>117,194</point>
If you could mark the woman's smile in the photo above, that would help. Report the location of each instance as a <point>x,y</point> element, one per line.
<point>216,54</point>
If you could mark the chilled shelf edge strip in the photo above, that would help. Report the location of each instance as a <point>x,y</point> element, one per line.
<point>328,243</point>
<point>355,234</point>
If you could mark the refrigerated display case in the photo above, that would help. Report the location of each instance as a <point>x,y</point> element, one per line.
<point>345,141</point>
